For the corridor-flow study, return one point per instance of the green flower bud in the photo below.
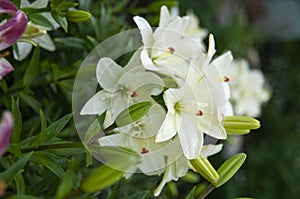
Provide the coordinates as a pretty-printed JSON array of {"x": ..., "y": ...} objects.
[
  {"x": 229, "y": 168},
  {"x": 133, "y": 113},
  {"x": 77, "y": 15},
  {"x": 119, "y": 160},
  {"x": 205, "y": 169},
  {"x": 32, "y": 31},
  {"x": 238, "y": 125}
]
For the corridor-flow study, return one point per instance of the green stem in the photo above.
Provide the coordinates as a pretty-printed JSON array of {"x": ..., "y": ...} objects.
[
  {"x": 53, "y": 146},
  {"x": 105, "y": 131},
  {"x": 37, "y": 85},
  {"x": 206, "y": 191}
]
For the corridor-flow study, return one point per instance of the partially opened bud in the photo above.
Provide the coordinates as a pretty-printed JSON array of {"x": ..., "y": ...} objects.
[
  {"x": 205, "y": 169},
  {"x": 77, "y": 15},
  {"x": 133, "y": 113},
  {"x": 240, "y": 124}
]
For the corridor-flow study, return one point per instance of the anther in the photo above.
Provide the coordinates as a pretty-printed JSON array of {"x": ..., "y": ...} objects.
[
  {"x": 199, "y": 113},
  {"x": 134, "y": 94},
  {"x": 144, "y": 150}
]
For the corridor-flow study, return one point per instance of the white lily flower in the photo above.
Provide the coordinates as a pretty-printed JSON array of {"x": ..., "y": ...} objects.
[
  {"x": 169, "y": 48},
  {"x": 248, "y": 92},
  {"x": 122, "y": 87}
]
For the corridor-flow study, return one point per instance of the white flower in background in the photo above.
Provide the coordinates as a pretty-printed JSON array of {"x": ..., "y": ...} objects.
[
  {"x": 169, "y": 49},
  {"x": 247, "y": 89},
  {"x": 23, "y": 48},
  {"x": 122, "y": 87}
]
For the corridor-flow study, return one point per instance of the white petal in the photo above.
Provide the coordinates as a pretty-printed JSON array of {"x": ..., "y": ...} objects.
[
  {"x": 167, "y": 129},
  {"x": 108, "y": 73},
  {"x": 96, "y": 105},
  {"x": 146, "y": 31},
  {"x": 209, "y": 150},
  {"x": 147, "y": 61},
  {"x": 191, "y": 139},
  {"x": 23, "y": 50},
  {"x": 165, "y": 17},
  {"x": 112, "y": 140},
  {"x": 45, "y": 42},
  {"x": 152, "y": 164},
  {"x": 223, "y": 63}
]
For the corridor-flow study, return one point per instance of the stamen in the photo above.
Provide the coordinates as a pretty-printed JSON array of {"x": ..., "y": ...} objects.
[
  {"x": 144, "y": 150},
  {"x": 226, "y": 79},
  {"x": 171, "y": 50},
  {"x": 134, "y": 94},
  {"x": 199, "y": 113}
]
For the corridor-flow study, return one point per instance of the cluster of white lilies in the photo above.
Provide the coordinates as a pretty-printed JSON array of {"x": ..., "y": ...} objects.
[{"x": 188, "y": 92}]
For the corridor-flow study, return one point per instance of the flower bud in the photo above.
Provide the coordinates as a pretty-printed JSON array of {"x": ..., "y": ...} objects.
[
  {"x": 205, "y": 169},
  {"x": 118, "y": 162},
  {"x": 238, "y": 125},
  {"x": 77, "y": 15},
  {"x": 133, "y": 113},
  {"x": 229, "y": 168}
]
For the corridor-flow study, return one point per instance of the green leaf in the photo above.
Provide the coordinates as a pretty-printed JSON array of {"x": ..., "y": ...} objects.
[
  {"x": 41, "y": 20},
  {"x": 62, "y": 6},
  {"x": 67, "y": 183},
  {"x": 191, "y": 194},
  {"x": 51, "y": 165},
  {"x": 229, "y": 168},
  {"x": 31, "y": 102},
  {"x": 17, "y": 121},
  {"x": 22, "y": 197},
  {"x": 20, "y": 184},
  {"x": 62, "y": 21},
  {"x": 72, "y": 42},
  {"x": 43, "y": 122},
  {"x": 33, "y": 67},
  {"x": 8, "y": 175},
  {"x": 56, "y": 127}
]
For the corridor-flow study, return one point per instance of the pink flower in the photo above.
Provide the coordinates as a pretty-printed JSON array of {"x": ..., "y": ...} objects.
[
  {"x": 10, "y": 32},
  {"x": 6, "y": 127}
]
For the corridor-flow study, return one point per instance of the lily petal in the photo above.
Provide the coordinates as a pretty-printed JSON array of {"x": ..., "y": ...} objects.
[
  {"x": 96, "y": 105},
  {"x": 12, "y": 30},
  {"x": 5, "y": 67},
  {"x": 167, "y": 129},
  {"x": 146, "y": 31},
  {"x": 6, "y": 127},
  {"x": 190, "y": 137},
  {"x": 165, "y": 17},
  {"x": 210, "y": 149},
  {"x": 108, "y": 73}
]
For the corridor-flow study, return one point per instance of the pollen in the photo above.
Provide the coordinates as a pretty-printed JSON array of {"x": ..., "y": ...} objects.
[
  {"x": 134, "y": 94},
  {"x": 171, "y": 50},
  {"x": 144, "y": 150},
  {"x": 199, "y": 113},
  {"x": 226, "y": 79}
]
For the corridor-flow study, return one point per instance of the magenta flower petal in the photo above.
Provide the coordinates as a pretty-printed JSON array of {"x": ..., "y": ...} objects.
[
  {"x": 7, "y": 6},
  {"x": 6, "y": 127},
  {"x": 5, "y": 67},
  {"x": 13, "y": 29}
]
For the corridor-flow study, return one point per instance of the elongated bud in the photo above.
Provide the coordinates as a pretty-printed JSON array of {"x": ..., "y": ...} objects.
[
  {"x": 205, "y": 169},
  {"x": 133, "y": 113},
  {"x": 115, "y": 167},
  {"x": 238, "y": 125},
  {"x": 229, "y": 168},
  {"x": 77, "y": 15},
  {"x": 32, "y": 31}
]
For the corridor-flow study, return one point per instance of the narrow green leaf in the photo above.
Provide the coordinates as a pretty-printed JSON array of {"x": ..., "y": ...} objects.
[
  {"x": 67, "y": 183},
  {"x": 57, "y": 126},
  {"x": 62, "y": 21},
  {"x": 17, "y": 121},
  {"x": 20, "y": 184},
  {"x": 51, "y": 165},
  {"x": 22, "y": 197},
  {"x": 62, "y": 6},
  {"x": 229, "y": 168},
  {"x": 8, "y": 175},
  {"x": 41, "y": 20},
  {"x": 43, "y": 122},
  {"x": 191, "y": 194},
  {"x": 33, "y": 67}
]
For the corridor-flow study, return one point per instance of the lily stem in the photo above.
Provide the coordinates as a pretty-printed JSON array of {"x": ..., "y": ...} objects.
[
  {"x": 53, "y": 146},
  {"x": 206, "y": 191}
]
